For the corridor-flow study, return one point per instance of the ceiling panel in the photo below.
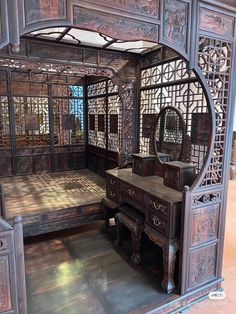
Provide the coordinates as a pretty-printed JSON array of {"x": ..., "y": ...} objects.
[{"x": 94, "y": 39}]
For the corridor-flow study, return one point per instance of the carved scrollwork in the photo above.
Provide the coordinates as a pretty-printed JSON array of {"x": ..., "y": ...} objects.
[
  {"x": 147, "y": 7},
  {"x": 205, "y": 224},
  {"x": 128, "y": 119},
  {"x": 51, "y": 67},
  {"x": 215, "y": 22},
  {"x": 176, "y": 22},
  {"x": 206, "y": 198},
  {"x": 203, "y": 264},
  {"x": 114, "y": 26},
  {"x": 215, "y": 61}
]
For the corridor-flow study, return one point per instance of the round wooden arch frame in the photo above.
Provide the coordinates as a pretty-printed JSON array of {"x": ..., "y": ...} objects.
[{"x": 198, "y": 31}]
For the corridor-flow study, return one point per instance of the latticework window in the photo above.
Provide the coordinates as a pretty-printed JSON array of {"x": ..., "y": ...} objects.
[
  {"x": 104, "y": 116},
  {"x": 171, "y": 84}
]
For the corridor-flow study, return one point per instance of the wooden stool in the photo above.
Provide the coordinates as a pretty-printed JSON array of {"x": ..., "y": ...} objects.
[
  {"x": 134, "y": 221},
  {"x": 109, "y": 210}
]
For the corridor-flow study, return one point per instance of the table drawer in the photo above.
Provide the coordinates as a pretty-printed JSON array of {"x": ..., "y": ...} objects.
[
  {"x": 113, "y": 194},
  {"x": 133, "y": 196},
  {"x": 157, "y": 222},
  {"x": 112, "y": 182},
  {"x": 159, "y": 207}
]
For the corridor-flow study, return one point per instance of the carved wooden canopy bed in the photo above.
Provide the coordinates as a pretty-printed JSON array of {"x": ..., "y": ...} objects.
[{"x": 65, "y": 106}]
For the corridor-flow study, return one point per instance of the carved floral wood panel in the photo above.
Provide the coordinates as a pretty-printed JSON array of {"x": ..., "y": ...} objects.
[
  {"x": 141, "y": 7},
  {"x": 113, "y": 25},
  {"x": 205, "y": 224},
  {"x": 217, "y": 23},
  {"x": 41, "y": 10},
  {"x": 175, "y": 28},
  {"x": 5, "y": 297},
  {"x": 203, "y": 264},
  {"x": 128, "y": 118}
]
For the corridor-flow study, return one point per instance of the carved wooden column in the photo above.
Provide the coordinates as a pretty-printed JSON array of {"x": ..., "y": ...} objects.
[{"x": 128, "y": 94}]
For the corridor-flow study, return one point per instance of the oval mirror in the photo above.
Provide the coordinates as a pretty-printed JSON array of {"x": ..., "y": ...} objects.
[{"x": 169, "y": 135}]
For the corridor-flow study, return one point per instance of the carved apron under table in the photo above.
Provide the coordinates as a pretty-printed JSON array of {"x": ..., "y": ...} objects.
[{"x": 161, "y": 206}]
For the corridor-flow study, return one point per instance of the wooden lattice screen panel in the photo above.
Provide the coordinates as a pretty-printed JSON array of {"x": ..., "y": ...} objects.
[
  {"x": 104, "y": 108},
  {"x": 215, "y": 63},
  {"x": 171, "y": 84},
  {"x": 41, "y": 122}
]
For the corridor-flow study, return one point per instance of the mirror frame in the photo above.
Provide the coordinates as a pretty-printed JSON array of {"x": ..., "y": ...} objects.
[{"x": 181, "y": 155}]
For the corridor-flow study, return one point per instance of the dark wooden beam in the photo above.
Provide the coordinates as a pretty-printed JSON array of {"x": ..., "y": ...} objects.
[{"x": 66, "y": 31}]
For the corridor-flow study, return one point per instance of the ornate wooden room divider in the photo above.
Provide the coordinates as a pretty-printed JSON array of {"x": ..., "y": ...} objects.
[
  {"x": 42, "y": 123},
  {"x": 203, "y": 32}
]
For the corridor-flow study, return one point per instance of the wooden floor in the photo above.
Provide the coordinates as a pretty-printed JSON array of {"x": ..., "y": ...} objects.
[
  {"x": 47, "y": 192},
  {"x": 83, "y": 274}
]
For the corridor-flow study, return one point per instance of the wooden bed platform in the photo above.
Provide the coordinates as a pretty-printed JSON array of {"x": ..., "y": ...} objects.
[{"x": 54, "y": 201}]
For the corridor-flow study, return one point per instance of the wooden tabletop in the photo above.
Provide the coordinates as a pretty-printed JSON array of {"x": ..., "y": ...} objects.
[{"x": 150, "y": 184}]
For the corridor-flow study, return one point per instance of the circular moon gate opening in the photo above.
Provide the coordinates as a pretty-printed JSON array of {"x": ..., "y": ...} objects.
[{"x": 209, "y": 45}]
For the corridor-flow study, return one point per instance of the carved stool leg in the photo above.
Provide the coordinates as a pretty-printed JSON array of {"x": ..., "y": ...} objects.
[
  {"x": 169, "y": 255},
  {"x": 136, "y": 243}
]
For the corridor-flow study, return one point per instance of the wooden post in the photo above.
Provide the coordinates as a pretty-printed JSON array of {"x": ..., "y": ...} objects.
[{"x": 20, "y": 265}]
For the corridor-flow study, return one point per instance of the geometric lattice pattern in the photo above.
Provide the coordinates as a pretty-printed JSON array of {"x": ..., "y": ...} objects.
[
  {"x": 97, "y": 89},
  {"x": 165, "y": 85},
  {"x": 69, "y": 116},
  {"x": 163, "y": 73},
  {"x": 114, "y": 131},
  {"x": 41, "y": 122},
  {"x": 104, "y": 116},
  {"x": 31, "y": 116},
  {"x": 5, "y": 139},
  {"x": 215, "y": 63},
  {"x": 31, "y": 121},
  {"x": 97, "y": 107}
]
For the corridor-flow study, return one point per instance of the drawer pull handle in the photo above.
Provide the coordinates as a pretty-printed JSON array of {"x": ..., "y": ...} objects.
[
  {"x": 131, "y": 192},
  {"x": 112, "y": 194},
  {"x": 156, "y": 221},
  {"x": 112, "y": 182},
  {"x": 155, "y": 206}
]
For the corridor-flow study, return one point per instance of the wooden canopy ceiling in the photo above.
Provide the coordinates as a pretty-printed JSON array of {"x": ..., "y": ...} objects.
[{"x": 79, "y": 37}]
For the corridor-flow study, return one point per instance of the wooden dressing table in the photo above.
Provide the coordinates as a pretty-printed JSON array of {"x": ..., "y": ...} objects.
[{"x": 161, "y": 206}]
